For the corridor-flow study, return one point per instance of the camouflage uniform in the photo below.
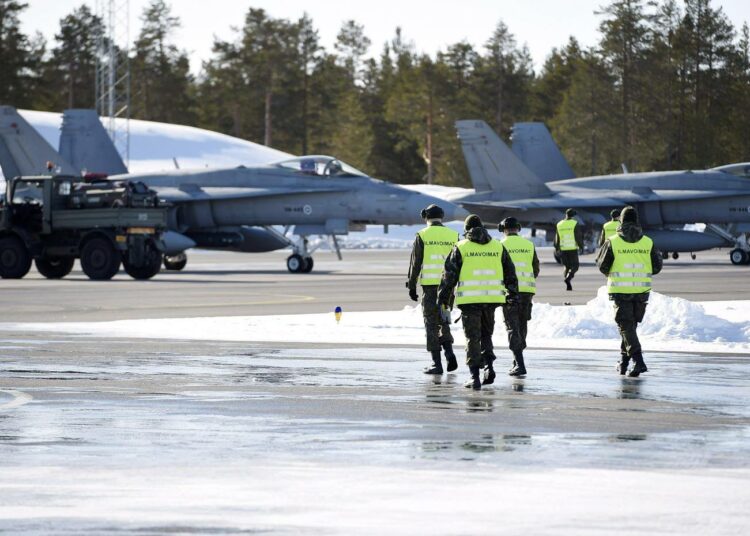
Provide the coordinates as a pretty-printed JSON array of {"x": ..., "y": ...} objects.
[
  {"x": 437, "y": 332},
  {"x": 516, "y": 317},
  {"x": 629, "y": 308},
  {"x": 478, "y": 318},
  {"x": 570, "y": 258}
]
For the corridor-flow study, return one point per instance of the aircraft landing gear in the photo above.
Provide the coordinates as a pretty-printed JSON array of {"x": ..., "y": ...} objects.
[
  {"x": 675, "y": 255},
  {"x": 297, "y": 264},
  {"x": 739, "y": 256}
]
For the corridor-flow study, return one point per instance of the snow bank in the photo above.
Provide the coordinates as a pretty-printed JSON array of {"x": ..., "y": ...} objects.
[
  {"x": 670, "y": 324},
  {"x": 667, "y": 318}
]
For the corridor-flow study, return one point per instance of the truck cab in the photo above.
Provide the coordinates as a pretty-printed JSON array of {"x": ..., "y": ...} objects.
[{"x": 54, "y": 220}]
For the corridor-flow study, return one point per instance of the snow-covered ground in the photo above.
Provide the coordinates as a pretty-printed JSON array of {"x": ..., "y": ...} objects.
[{"x": 671, "y": 324}]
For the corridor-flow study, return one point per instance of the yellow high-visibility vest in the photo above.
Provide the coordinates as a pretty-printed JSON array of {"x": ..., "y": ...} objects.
[
  {"x": 566, "y": 231},
  {"x": 631, "y": 271},
  {"x": 438, "y": 242},
  {"x": 521, "y": 252},
  {"x": 610, "y": 229},
  {"x": 481, "y": 277}
]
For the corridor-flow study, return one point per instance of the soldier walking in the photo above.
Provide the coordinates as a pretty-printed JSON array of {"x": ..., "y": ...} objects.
[
  {"x": 568, "y": 241},
  {"x": 483, "y": 271},
  {"x": 431, "y": 246},
  {"x": 629, "y": 259},
  {"x": 523, "y": 254},
  {"x": 609, "y": 229}
]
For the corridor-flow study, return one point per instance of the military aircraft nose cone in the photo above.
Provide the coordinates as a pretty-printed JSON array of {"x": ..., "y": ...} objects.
[{"x": 417, "y": 202}]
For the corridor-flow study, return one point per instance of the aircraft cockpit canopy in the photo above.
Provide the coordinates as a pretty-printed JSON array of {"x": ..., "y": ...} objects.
[
  {"x": 321, "y": 166},
  {"x": 738, "y": 170}
]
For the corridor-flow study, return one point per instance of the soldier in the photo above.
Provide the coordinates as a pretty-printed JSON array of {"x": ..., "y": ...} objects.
[
  {"x": 486, "y": 278},
  {"x": 628, "y": 259},
  {"x": 609, "y": 229},
  {"x": 431, "y": 246},
  {"x": 523, "y": 254},
  {"x": 568, "y": 241}
]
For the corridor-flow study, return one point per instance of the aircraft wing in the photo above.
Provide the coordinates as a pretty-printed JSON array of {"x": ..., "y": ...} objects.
[
  {"x": 187, "y": 193},
  {"x": 600, "y": 198}
]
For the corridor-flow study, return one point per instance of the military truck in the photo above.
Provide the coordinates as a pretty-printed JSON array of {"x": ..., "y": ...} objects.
[{"x": 54, "y": 220}]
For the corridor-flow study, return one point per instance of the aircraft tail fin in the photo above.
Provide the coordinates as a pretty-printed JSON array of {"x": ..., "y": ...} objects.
[
  {"x": 85, "y": 143},
  {"x": 534, "y": 145},
  {"x": 493, "y": 166},
  {"x": 23, "y": 151}
]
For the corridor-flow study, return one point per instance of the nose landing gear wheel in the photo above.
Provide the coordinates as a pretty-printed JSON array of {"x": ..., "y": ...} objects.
[
  {"x": 308, "y": 265},
  {"x": 739, "y": 256},
  {"x": 295, "y": 263}
]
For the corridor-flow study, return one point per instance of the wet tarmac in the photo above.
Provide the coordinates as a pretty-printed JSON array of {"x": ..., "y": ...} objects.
[{"x": 152, "y": 437}]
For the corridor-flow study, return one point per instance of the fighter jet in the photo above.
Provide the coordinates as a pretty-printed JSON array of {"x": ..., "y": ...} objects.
[
  {"x": 228, "y": 208},
  {"x": 534, "y": 183}
]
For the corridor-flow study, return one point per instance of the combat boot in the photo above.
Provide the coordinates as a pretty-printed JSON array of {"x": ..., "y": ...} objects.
[
  {"x": 437, "y": 366},
  {"x": 489, "y": 374},
  {"x": 519, "y": 369},
  {"x": 639, "y": 367},
  {"x": 622, "y": 365},
  {"x": 450, "y": 357},
  {"x": 475, "y": 382}
]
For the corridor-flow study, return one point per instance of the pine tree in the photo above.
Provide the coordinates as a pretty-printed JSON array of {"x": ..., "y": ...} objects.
[
  {"x": 20, "y": 58},
  {"x": 623, "y": 43},
  {"x": 587, "y": 122},
  {"x": 70, "y": 73},
  {"x": 554, "y": 80},
  {"x": 161, "y": 73}
]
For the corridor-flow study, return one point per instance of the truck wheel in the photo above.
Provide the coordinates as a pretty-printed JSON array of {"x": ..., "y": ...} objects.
[
  {"x": 54, "y": 268},
  {"x": 149, "y": 269},
  {"x": 15, "y": 260},
  {"x": 176, "y": 262},
  {"x": 99, "y": 259}
]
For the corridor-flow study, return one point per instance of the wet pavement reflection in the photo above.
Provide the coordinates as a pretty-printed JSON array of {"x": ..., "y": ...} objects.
[{"x": 110, "y": 402}]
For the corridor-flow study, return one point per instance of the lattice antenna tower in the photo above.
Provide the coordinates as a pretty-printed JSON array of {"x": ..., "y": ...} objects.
[{"x": 113, "y": 72}]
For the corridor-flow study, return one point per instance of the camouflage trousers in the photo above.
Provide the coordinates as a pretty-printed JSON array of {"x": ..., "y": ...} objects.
[
  {"x": 516, "y": 319},
  {"x": 436, "y": 331},
  {"x": 570, "y": 263},
  {"x": 479, "y": 323},
  {"x": 629, "y": 312}
]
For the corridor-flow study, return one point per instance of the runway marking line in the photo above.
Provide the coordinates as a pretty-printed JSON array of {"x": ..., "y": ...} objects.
[{"x": 19, "y": 399}]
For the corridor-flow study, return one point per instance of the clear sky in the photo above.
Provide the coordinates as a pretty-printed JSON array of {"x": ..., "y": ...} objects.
[{"x": 430, "y": 24}]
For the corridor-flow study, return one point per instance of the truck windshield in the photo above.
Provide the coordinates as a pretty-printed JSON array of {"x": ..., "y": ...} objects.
[{"x": 27, "y": 193}]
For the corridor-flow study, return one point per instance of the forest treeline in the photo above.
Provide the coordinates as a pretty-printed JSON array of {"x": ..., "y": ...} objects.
[{"x": 666, "y": 87}]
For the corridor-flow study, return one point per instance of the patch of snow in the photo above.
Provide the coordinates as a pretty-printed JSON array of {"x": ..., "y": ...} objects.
[
  {"x": 347, "y": 498},
  {"x": 670, "y": 324}
]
